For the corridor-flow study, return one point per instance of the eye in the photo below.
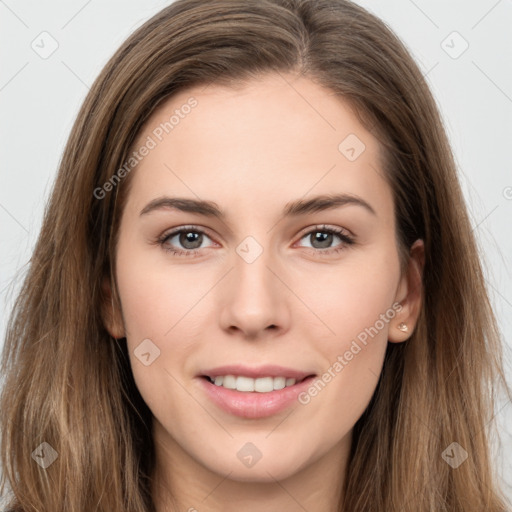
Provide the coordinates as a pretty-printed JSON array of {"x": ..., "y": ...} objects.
[
  {"x": 321, "y": 238},
  {"x": 190, "y": 238}
]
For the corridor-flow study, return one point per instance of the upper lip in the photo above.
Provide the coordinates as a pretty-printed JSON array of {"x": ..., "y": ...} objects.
[{"x": 267, "y": 370}]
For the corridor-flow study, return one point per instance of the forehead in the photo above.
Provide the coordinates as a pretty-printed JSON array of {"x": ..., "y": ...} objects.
[{"x": 268, "y": 138}]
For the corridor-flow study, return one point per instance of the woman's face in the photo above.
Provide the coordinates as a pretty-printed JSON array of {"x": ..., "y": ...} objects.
[{"x": 291, "y": 271}]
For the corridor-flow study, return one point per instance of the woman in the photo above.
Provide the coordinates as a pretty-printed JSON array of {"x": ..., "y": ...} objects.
[{"x": 176, "y": 347}]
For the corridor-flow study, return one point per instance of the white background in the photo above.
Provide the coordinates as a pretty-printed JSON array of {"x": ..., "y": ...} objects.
[{"x": 39, "y": 100}]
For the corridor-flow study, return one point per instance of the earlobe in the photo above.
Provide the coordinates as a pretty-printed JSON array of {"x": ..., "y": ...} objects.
[
  {"x": 403, "y": 327},
  {"x": 409, "y": 295},
  {"x": 112, "y": 319}
]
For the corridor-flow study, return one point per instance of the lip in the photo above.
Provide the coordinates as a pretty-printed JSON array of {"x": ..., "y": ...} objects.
[{"x": 254, "y": 405}]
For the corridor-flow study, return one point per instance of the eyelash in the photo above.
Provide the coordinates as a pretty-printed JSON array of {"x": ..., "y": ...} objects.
[{"x": 346, "y": 239}]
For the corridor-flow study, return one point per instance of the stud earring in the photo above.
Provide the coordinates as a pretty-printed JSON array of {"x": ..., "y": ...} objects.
[{"x": 403, "y": 327}]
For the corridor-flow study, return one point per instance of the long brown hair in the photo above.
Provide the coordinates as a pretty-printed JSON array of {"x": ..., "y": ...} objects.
[{"x": 68, "y": 384}]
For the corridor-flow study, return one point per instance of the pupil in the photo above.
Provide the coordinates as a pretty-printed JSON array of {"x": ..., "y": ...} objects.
[
  {"x": 323, "y": 238},
  {"x": 189, "y": 238}
]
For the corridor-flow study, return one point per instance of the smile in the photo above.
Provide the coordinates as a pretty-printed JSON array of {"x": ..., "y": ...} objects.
[
  {"x": 249, "y": 384},
  {"x": 255, "y": 397}
]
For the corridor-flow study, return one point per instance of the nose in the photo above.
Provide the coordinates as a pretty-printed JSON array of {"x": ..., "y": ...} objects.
[{"x": 254, "y": 299}]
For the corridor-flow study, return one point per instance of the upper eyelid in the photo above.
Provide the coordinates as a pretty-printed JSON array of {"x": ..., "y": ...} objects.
[
  {"x": 326, "y": 227},
  {"x": 176, "y": 231}
]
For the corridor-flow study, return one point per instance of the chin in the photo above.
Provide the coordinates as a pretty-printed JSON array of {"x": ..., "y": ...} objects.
[{"x": 274, "y": 464}]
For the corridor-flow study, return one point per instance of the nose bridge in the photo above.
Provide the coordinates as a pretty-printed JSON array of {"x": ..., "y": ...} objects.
[
  {"x": 254, "y": 283},
  {"x": 254, "y": 297}
]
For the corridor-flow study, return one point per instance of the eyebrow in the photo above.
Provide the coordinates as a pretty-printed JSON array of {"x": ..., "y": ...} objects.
[{"x": 291, "y": 209}]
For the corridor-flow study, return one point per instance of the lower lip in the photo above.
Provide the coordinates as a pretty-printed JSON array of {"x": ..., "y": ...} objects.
[{"x": 253, "y": 404}]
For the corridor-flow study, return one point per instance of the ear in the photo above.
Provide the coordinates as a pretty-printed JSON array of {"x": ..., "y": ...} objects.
[
  {"x": 111, "y": 315},
  {"x": 408, "y": 295}
]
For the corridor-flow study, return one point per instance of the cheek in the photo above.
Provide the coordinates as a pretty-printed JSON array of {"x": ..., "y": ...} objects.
[
  {"x": 155, "y": 299},
  {"x": 157, "y": 305},
  {"x": 348, "y": 298},
  {"x": 355, "y": 304}
]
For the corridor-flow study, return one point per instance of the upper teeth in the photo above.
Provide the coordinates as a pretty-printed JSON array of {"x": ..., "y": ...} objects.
[{"x": 261, "y": 384}]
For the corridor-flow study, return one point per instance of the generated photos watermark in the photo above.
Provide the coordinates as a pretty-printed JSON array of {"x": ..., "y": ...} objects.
[
  {"x": 151, "y": 142},
  {"x": 343, "y": 360}
]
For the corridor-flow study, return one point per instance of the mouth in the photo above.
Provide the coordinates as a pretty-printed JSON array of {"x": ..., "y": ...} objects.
[{"x": 254, "y": 393}]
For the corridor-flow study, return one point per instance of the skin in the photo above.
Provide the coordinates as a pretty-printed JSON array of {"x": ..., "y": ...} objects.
[{"x": 252, "y": 149}]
